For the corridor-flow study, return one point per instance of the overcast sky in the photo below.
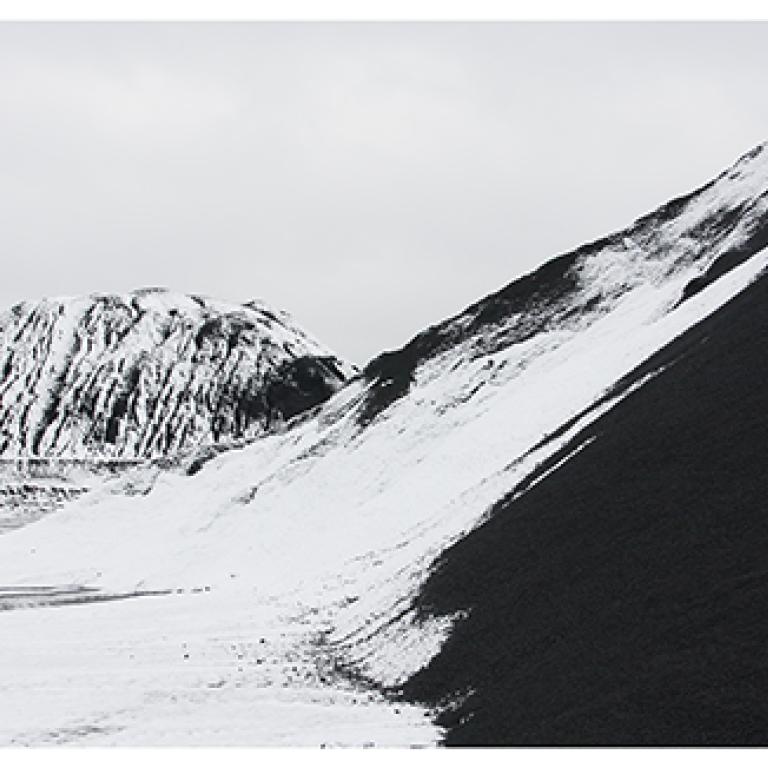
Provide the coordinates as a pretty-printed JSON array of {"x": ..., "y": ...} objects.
[{"x": 372, "y": 179}]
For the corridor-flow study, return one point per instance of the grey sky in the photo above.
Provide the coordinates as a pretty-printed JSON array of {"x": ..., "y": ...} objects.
[{"x": 370, "y": 178}]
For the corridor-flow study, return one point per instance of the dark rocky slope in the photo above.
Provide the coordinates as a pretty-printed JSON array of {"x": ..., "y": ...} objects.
[{"x": 622, "y": 598}]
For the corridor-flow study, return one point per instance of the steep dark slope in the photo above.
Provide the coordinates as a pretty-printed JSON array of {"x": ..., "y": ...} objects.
[{"x": 623, "y": 598}]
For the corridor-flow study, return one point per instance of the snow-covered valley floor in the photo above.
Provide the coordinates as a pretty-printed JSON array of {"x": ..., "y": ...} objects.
[{"x": 189, "y": 669}]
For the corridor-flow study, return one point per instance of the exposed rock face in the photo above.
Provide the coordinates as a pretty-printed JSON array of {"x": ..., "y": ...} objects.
[{"x": 151, "y": 373}]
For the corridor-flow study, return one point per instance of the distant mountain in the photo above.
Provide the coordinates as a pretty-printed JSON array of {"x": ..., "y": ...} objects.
[
  {"x": 151, "y": 373},
  {"x": 542, "y": 512}
]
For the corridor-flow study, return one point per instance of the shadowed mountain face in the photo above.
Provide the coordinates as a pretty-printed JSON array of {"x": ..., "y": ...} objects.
[
  {"x": 150, "y": 374},
  {"x": 621, "y": 597}
]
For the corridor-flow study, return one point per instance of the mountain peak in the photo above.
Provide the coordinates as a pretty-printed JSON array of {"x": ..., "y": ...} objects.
[{"x": 151, "y": 372}]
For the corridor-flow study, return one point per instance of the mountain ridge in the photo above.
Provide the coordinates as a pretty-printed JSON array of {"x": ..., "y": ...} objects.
[{"x": 728, "y": 220}]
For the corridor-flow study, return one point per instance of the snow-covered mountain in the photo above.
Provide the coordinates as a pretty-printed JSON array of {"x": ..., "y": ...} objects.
[
  {"x": 273, "y": 596},
  {"x": 151, "y": 373}
]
